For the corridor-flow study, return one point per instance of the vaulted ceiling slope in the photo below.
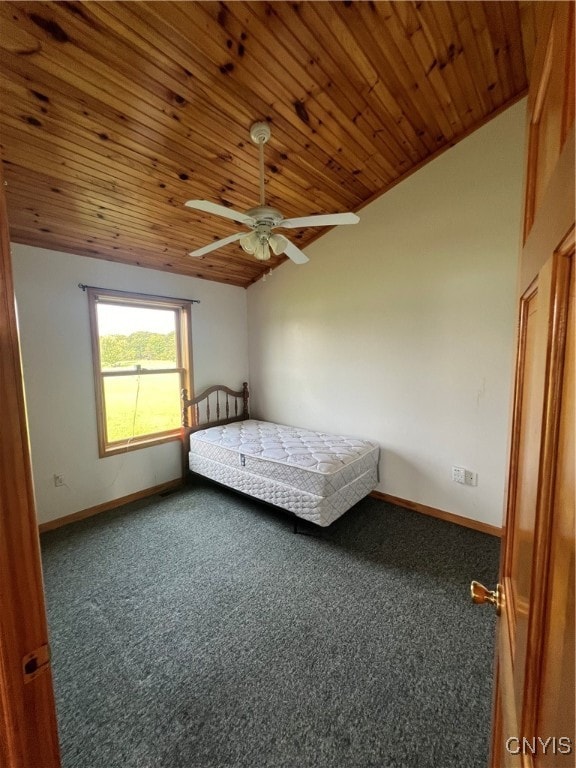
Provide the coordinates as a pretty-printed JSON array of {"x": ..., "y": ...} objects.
[{"x": 113, "y": 114}]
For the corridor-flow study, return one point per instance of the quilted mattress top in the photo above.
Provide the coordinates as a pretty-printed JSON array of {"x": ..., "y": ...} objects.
[{"x": 313, "y": 451}]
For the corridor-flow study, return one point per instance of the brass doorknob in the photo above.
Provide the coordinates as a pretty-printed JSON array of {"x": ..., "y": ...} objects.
[{"x": 480, "y": 595}]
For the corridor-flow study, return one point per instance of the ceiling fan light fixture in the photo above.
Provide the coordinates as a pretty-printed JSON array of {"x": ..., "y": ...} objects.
[
  {"x": 249, "y": 243},
  {"x": 278, "y": 244},
  {"x": 262, "y": 252}
]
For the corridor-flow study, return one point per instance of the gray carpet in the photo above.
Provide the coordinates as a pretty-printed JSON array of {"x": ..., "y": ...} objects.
[{"x": 197, "y": 631}]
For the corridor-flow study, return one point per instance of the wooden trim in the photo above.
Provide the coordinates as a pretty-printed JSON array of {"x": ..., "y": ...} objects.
[
  {"x": 145, "y": 441},
  {"x": 515, "y": 427},
  {"x": 568, "y": 110},
  {"x": 556, "y": 215},
  {"x": 98, "y": 393},
  {"x": 142, "y": 300},
  {"x": 440, "y": 514},
  {"x": 505, "y": 715},
  {"x": 536, "y": 103},
  {"x": 107, "y": 505},
  {"x": 142, "y": 372},
  {"x": 28, "y": 730},
  {"x": 559, "y": 302},
  {"x": 182, "y": 309}
]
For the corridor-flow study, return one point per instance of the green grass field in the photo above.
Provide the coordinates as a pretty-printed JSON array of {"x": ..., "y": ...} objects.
[{"x": 132, "y": 410}]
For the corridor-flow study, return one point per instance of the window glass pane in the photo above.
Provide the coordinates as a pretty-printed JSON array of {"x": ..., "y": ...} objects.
[
  {"x": 136, "y": 336},
  {"x": 141, "y": 405}
]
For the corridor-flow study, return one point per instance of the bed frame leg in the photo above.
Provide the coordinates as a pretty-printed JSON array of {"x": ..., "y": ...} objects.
[{"x": 300, "y": 532}]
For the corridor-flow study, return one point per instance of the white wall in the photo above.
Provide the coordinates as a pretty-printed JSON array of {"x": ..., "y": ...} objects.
[
  {"x": 59, "y": 382},
  {"x": 401, "y": 328}
]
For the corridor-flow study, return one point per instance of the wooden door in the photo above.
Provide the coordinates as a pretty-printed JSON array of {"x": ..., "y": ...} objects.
[
  {"x": 533, "y": 725},
  {"x": 28, "y": 736}
]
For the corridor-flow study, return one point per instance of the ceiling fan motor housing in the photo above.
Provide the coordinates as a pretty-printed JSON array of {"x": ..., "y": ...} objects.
[{"x": 265, "y": 215}]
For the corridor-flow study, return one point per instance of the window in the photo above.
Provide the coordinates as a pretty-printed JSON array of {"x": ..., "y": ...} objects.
[{"x": 142, "y": 361}]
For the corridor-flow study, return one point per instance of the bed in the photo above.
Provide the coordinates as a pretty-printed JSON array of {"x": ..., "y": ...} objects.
[{"x": 316, "y": 476}]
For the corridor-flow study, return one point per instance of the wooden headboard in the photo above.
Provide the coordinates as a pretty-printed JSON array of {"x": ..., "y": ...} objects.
[{"x": 216, "y": 405}]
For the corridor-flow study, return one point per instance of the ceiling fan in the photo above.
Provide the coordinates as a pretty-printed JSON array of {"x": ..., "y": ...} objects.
[{"x": 263, "y": 219}]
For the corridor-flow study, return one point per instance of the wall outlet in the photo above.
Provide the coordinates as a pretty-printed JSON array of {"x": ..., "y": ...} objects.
[
  {"x": 58, "y": 480},
  {"x": 464, "y": 476},
  {"x": 458, "y": 475}
]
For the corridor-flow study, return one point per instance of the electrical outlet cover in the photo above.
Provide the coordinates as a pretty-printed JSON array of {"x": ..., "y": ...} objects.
[{"x": 459, "y": 475}]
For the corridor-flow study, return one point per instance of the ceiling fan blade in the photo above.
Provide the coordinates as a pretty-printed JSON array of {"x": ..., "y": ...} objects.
[
  {"x": 295, "y": 254},
  {"x": 218, "y": 244},
  {"x": 320, "y": 220},
  {"x": 219, "y": 210}
]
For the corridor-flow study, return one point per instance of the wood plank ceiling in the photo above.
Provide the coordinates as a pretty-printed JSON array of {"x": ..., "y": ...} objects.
[{"x": 113, "y": 114}]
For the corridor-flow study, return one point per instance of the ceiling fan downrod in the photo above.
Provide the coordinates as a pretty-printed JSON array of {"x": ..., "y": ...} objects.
[{"x": 260, "y": 134}]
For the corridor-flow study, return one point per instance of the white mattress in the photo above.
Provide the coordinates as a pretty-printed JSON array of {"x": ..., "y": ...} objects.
[{"x": 315, "y": 475}]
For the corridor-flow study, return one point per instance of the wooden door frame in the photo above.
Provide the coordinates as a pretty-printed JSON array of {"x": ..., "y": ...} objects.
[
  {"x": 545, "y": 260},
  {"x": 556, "y": 221},
  {"x": 28, "y": 729}
]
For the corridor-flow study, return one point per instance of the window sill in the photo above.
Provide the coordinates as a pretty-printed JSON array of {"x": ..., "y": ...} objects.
[{"x": 113, "y": 449}]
